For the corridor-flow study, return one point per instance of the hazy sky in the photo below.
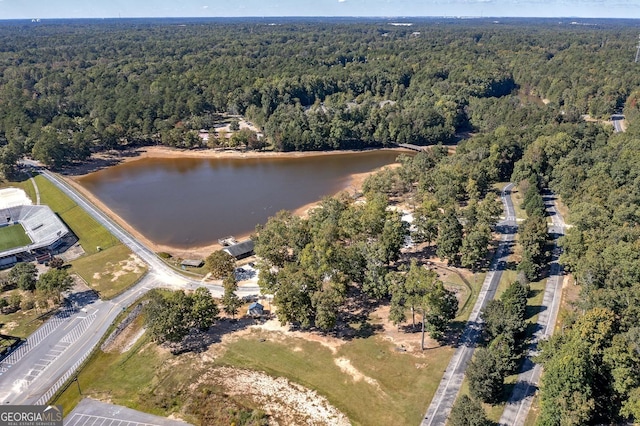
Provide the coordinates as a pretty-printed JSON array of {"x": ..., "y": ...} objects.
[{"x": 12, "y": 9}]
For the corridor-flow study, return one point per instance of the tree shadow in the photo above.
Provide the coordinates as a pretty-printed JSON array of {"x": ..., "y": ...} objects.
[
  {"x": 20, "y": 175},
  {"x": 516, "y": 392},
  {"x": 533, "y": 310},
  {"x": 198, "y": 341},
  {"x": 78, "y": 300},
  {"x": 531, "y": 329},
  {"x": 367, "y": 330}
]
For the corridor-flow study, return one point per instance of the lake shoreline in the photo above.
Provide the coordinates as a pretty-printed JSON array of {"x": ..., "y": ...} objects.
[{"x": 103, "y": 160}]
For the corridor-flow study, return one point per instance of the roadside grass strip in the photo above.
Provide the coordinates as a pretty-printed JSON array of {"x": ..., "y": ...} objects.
[{"x": 93, "y": 236}]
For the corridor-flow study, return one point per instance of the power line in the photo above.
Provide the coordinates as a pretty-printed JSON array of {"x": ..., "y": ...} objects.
[{"x": 638, "y": 51}]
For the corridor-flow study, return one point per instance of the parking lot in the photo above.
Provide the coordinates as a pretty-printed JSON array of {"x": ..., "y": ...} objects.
[{"x": 95, "y": 413}]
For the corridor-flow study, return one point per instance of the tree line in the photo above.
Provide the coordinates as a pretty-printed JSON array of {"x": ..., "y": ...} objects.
[{"x": 75, "y": 88}]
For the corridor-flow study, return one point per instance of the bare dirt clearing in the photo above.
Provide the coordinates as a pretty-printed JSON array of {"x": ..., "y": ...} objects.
[
  {"x": 133, "y": 264},
  {"x": 287, "y": 403}
]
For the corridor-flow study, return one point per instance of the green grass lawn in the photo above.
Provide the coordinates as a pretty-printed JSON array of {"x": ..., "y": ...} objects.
[
  {"x": 110, "y": 271},
  {"x": 13, "y": 236},
  {"x": 91, "y": 234},
  {"x": 20, "y": 323},
  {"x": 107, "y": 265},
  {"x": 124, "y": 378}
]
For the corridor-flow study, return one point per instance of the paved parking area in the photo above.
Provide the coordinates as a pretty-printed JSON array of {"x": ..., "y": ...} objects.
[{"x": 95, "y": 413}]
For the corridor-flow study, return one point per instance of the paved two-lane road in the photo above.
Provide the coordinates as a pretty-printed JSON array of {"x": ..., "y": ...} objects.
[
  {"x": 447, "y": 391},
  {"x": 519, "y": 403}
]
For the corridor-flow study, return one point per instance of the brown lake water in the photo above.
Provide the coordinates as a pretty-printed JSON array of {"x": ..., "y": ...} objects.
[{"x": 191, "y": 202}]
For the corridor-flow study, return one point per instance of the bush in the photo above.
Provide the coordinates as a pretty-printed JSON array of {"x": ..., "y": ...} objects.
[
  {"x": 14, "y": 301},
  {"x": 28, "y": 304}
]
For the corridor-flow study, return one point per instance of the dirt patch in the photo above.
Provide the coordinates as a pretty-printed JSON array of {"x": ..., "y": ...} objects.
[
  {"x": 287, "y": 403},
  {"x": 346, "y": 367},
  {"x": 403, "y": 338},
  {"x": 570, "y": 295},
  {"x": 9, "y": 326},
  {"x": 329, "y": 342},
  {"x": 133, "y": 264}
]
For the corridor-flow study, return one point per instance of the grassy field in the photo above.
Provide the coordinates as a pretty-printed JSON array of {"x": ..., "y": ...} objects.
[
  {"x": 106, "y": 265},
  {"x": 406, "y": 383},
  {"x": 123, "y": 378},
  {"x": 13, "y": 236},
  {"x": 91, "y": 234},
  {"x": 20, "y": 323},
  {"x": 110, "y": 271},
  {"x": 151, "y": 380}
]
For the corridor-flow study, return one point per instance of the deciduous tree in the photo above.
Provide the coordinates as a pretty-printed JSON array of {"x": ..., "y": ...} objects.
[
  {"x": 23, "y": 275},
  {"x": 230, "y": 300},
  {"x": 220, "y": 264},
  {"x": 449, "y": 238},
  {"x": 468, "y": 412}
]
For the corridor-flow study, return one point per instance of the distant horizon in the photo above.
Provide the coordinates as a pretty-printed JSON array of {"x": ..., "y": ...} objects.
[
  {"x": 311, "y": 17},
  {"x": 140, "y": 9}
]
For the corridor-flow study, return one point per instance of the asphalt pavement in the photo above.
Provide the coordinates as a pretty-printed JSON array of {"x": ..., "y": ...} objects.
[
  {"x": 449, "y": 387},
  {"x": 519, "y": 403},
  {"x": 95, "y": 413},
  {"x": 617, "y": 120}
]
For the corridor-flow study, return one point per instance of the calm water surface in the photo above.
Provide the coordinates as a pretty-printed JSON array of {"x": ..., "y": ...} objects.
[{"x": 187, "y": 202}]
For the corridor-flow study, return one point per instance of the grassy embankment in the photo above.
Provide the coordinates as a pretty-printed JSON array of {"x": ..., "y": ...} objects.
[
  {"x": 108, "y": 270},
  {"x": 105, "y": 266}
]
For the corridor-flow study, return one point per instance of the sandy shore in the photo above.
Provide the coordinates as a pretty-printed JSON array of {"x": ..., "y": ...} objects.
[{"x": 108, "y": 159}]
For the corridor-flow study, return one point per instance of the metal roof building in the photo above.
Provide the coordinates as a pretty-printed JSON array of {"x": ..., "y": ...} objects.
[{"x": 241, "y": 250}]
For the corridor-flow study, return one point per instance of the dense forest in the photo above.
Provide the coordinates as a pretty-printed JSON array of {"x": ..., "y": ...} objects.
[
  {"x": 520, "y": 88},
  {"x": 69, "y": 88}
]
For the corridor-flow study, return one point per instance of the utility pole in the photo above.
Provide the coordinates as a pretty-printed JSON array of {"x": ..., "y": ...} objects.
[
  {"x": 78, "y": 383},
  {"x": 638, "y": 51}
]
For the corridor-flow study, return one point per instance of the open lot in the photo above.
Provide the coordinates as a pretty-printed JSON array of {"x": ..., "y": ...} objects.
[{"x": 377, "y": 377}]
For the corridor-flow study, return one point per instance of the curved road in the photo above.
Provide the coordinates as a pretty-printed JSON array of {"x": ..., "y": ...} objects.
[
  {"x": 447, "y": 391},
  {"x": 41, "y": 365},
  {"x": 517, "y": 408}
]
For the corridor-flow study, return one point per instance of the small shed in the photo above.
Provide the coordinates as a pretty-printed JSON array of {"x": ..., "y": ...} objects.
[
  {"x": 192, "y": 263},
  {"x": 240, "y": 250},
  {"x": 255, "y": 309}
]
